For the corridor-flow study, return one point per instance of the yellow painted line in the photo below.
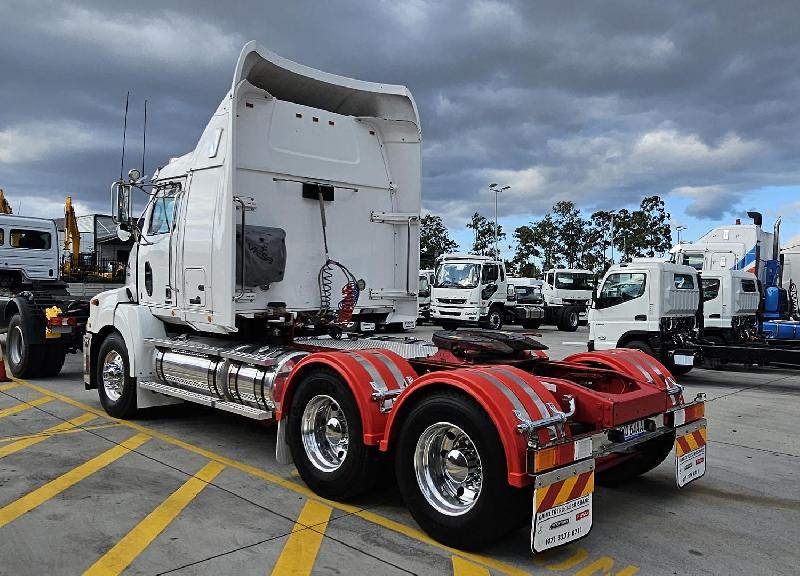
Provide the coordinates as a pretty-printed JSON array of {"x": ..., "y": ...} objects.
[
  {"x": 27, "y": 442},
  {"x": 120, "y": 556},
  {"x": 4, "y": 387},
  {"x": 301, "y": 489},
  {"x": 580, "y": 555},
  {"x": 300, "y": 552},
  {"x": 603, "y": 566},
  {"x": 25, "y": 406},
  {"x": 31, "y": 500},
  {"x": 463, "y": 567},
  {"x": 70, "y": 431}
]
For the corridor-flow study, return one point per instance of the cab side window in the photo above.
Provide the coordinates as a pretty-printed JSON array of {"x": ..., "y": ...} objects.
[
  {"x": 749, "y": 286},
  {"x": 162, "y": 215},
  {"x": 490, "y": 273},
  {"x": 684, "y": 281},
  {"x": 710, "y": 288},
  {"x": 621, "y": 287}
]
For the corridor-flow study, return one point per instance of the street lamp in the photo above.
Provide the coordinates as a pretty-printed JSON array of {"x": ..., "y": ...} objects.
[
  {"x": 494, "y": 187},
  {"x": 613, "y": 214},
  {"x": 678, "y": 229}
]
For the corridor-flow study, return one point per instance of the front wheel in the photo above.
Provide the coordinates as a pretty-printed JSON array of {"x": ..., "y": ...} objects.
[
  {"x": 451, "y": 471},
  {"x": 678, "y": 369},
  {"x": 531, "y": 324},
  {"x": 569, "y": 319},
  {"x": 326, "y": 438},
  {"x": 116, "y": 388},
  {"x": 494, "y": 321},
  {"x": 448, "y": 325}
]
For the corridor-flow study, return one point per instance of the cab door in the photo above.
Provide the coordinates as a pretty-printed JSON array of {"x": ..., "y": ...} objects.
[
  {"x": 156, "y": 252},
  {"x": 622, "y": 305}
]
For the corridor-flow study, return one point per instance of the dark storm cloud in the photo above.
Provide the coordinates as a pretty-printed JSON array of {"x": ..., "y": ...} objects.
[{"x": 596, "y": 102}]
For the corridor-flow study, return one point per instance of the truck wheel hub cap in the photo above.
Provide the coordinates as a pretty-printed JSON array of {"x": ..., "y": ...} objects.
[
  {"x": 113, "y": 375},
  {"x": 16, "y": 344},
  {"x": 448, "y": 469},
  {"x": 324, "y": 431}
]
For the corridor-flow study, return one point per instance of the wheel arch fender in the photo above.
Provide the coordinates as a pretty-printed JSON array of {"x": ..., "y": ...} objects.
[
  {"x": 365, "y": 372},
  {"x": 135, "y": 323},
  {"x": 634, "y": 363},
  {"x": 632, "y": 335},
  {"x": 486, "y": 387}
]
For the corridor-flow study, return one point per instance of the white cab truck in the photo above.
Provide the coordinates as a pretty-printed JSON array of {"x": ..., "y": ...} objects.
[
  {"x": 43, "y": 322},
  {"x": 424, "y": 295},
  {"x": 470, "y": 290},
  {"x": 234, "y": 255},
  {"x": 648, "y": 305},
  {"x": 730, "y": 305},
  {"x": 567, "y": 293}
]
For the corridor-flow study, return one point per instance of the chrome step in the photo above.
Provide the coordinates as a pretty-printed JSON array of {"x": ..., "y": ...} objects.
[{"x": 240, "y": 409}]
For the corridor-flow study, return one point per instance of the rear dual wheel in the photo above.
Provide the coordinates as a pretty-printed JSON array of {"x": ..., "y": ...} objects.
[
  {"x": 451, "y": 471},
  {"x": 568, "y": 319}
]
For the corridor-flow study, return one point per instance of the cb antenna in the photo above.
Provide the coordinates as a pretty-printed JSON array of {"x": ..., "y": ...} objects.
[
  {"x": 124, "y": 132},
  {"x": 144, "y": 137}
]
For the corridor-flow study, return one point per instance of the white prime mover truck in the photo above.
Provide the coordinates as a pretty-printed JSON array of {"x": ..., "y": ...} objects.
[{"x": 235, "y": 253}]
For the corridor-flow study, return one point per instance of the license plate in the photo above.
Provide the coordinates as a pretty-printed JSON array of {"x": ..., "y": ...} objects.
[
  {"x": 409, "y": 325},
  {"x": 690, "y": 457},
  {"x": 632, "y": 430},
  {"x": 562, "y": 512},
  {"x": 367, "y": 326},
  {"x": 683, "y": 360}
]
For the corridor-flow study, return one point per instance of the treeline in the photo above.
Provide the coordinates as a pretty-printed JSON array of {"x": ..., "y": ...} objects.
[{"x": 562, "y": 238}]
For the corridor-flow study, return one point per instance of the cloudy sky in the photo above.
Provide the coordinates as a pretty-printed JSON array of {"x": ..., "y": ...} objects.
[{"x": 597, "y": 102}]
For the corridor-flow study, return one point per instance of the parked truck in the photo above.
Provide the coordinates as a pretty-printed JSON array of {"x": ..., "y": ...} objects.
[
  {"x": 567, "y": 293},
  {"x": 485, "y": 431},
  {"x": 424, "y": 296},
  {"x": 43, "y": 322}
]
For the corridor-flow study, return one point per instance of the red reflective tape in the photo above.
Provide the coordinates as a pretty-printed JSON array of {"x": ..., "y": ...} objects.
[
  {"x": 550, "y": 497},
  {"x": 577, "y": 490},
  {"x": 684, "y": 445},
  {"x": 698, "y": 437}
]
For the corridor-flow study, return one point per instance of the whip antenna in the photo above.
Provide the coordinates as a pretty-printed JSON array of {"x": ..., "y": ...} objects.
[
  {"x": 124, "y": 132},
  {"x": 144, "y": 137}
]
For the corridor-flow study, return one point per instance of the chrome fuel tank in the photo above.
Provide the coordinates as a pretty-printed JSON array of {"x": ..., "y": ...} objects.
[
  {"x": 191, "y": 371},
  {"x": 253, "y": 374}
]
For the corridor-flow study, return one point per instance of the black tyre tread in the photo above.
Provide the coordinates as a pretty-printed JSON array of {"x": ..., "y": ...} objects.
[
  {"x": 642, "y": 346},
  {"x": 54, "y": 356},
  {"x": 499, "y": 310},
  {"x": 531, "y": 324},
  {"x": 32, "y": 361},
  {"x": 563, "y": 319},
  {"x": 501, "y": 508},
  {"x": 648, "y": 456},
  {"x": 361, "y": 466},
  {"x": 125, "y": 407}
]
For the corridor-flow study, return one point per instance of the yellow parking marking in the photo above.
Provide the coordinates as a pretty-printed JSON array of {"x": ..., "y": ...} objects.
[
  {"x": 31, "y": 500},
  {"x": 134, "y": 542},
  {"x": 603, "y": 566},
  {"x": 64, "y": 426},
  {"x": 580, "y": 555},
  {"x": 22, "y": 407},
  {"x": 4, "y": 387},
  {"x": 298, "y": 555},
  {"x": 370, "y": 517},
  {"x": 463, "y": 567},
  {"x": 69, "y": 431}
]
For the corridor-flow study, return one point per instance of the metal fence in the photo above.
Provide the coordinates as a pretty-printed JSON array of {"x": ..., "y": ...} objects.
[{"x": 90, "y": 268}]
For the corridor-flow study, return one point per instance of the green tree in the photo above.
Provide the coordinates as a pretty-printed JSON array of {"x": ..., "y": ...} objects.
[
  {"x": 483, "y": 230},
  {"x": 572, "y": 231},
  {"x": 434, "y": 240},
  {"x": 525, "y": 252}
]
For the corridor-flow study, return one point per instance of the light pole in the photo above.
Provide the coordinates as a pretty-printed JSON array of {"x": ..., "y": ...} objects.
[
  {"x": 678, "y": 229},
  {"x": 613, "y": 214},
  {"x": 494, "y": 187}
]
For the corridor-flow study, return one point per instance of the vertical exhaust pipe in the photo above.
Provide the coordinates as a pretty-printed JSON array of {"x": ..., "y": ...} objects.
[{"x": 757, "y": 220}]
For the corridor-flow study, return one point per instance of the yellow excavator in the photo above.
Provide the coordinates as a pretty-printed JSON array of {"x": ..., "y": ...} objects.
[
  {"x": 72, "y": 237},
  {"x": 5, "y": 207}
]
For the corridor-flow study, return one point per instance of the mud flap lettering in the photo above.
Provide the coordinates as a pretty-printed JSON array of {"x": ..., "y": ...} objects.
[
  {"x": 690, "y": 457},
  {"x": 562, "y": 511}
]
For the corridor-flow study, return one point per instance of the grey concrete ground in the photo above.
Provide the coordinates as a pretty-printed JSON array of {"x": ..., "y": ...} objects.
[{"x": 67, "y": 505}]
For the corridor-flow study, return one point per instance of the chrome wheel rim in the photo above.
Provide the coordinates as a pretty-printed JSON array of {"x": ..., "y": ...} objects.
[
  {"x": 16, "y": 344},
  {"x": 113, "y": 375},
  {"x": 573, "y": 319},
  {"x": 324, "y": 431},
  {"x": 494, "y": 320},
  {"x": 448, "y": 469}
]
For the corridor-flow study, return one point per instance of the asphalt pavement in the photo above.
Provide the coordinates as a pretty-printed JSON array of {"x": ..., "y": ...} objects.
[{"x": 187, "y": 490}]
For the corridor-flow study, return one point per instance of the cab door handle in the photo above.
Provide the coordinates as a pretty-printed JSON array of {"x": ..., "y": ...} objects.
[{"x": 640, "y": 317}]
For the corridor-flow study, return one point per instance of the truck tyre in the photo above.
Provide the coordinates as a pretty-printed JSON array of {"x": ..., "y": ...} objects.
[
  {"x": 640, "y": 345},
  {"x": 452, "y": 474},
  {"x": 494, "y": 320},
  {"x": 569, "y": 319},
  {"x": 25, "y": 344},
  {"x": 678, "y": 370},
  {"x": 54, "y": 355},
  {"x": 714, "y": 363},
  {"x": 531, "y": 324},
  {"x": 326, "y": 438},
  {"x": 117, "y": 390},
  {"x": 647, "y": 456},
  {"x": 448, "y": 325}
]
